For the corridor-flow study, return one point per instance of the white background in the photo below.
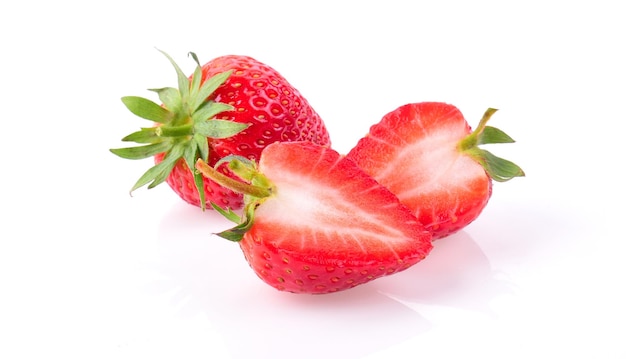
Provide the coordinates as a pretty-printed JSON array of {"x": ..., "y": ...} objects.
[{"x": 86, "y": 271}]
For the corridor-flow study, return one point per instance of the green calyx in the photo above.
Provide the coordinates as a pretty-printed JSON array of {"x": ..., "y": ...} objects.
[
  {"x": 499, "y": 169},
  {"x": 253, "y": 185},
  {"x": 184, "y": 122}
]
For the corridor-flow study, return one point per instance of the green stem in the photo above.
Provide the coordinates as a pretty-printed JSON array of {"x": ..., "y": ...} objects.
[
  {"x": 230, "y": 183},
  {"x": 174, "y": 131},
  {"x": 473, "y": 138}
]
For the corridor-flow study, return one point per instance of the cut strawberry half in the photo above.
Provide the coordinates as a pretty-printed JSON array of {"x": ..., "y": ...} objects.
[
  {"x": 316, "y": 223},
  {"x": 428, "y": 156}
]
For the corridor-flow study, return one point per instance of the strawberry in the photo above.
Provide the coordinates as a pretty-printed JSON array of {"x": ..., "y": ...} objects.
[
  {"x": 232, "y": 105},
  {"x": 316, "y": 223},
  {"x": 428, "y": 156}
]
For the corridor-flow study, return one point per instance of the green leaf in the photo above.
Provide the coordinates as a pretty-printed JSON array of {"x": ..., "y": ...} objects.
[
  {"x": 145, "y": 135},
  {"x": 494, "y": 135},
  {"x": 190, "y": 158},
  {"x": 219, "y": 128},
  {"x": 154, "y": 173},
  {"x": 162, "y": 175},
  {"x": 198, "y": 180},
  {"x": 140, "y": 152},
  {"x": 228, "y": 214},
  {"x": 170, "y": 97},
  {"x": 194, "y": 57},
  {"x": 499, "y": 169},
  {"x": 236, "y": 233},
  {"x": 196, "y": 79},
  {"x": 209, "y": 110},
  {"x": 208, "y": 87},
  {"x": 183, "y": 81},
  {"x": 147, "y": 109},
  {"x": 158, "y": 173},
  {"x": 203, "y": 146},
  {"x": 189, "y": 155}
]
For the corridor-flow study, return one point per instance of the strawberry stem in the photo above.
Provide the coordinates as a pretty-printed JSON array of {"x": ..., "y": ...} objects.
[
  {"x": 497, "y": 168},
  {"x": 256, "y": 189},
  {"x": 232, "y": 184},
  {"x": 174, "y": 131},
  {"x": 474, "y": 138}
]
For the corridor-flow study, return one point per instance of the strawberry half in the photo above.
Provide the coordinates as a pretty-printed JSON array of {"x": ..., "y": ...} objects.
[
  {"x": 232, "y": 105},
  {"x": 428, "y": 156},
  {"x": 316, "y": 223}
]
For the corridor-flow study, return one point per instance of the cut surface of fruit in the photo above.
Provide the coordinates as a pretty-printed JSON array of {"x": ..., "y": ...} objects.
[
  {"x": 326, "y": 225},
  {"x": 415, "y": 151}
]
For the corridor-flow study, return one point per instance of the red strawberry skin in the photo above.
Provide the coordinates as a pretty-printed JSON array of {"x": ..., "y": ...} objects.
[
  {"x": 263, "y": 98},
  {"x": 413, "y": 152},
  {"x": 329, "y": 226}
]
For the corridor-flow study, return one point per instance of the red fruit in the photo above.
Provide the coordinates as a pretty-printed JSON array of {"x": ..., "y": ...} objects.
[
  {"x": 316, "y": 223},
  {"x": 233, "y": 105},
  {"x": 427, "y": 155}
]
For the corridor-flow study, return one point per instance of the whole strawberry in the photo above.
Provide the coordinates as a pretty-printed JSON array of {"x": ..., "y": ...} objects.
[
  {"x": 315, "y": 223},
  {"x": 232, "y": 105},
  {"x": 429, "y": 157}
]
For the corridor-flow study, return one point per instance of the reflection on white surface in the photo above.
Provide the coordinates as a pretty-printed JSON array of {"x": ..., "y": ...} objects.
[
  {"x": 456, "y": 274},
  {"x": 208, "y": 275}
]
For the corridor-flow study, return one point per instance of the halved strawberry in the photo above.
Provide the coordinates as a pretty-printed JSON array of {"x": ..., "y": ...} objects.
[
  {"x": 232, "y": 105},
  {"x": 427, "y": 155},
  {"x": 316, "y": 223}
]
